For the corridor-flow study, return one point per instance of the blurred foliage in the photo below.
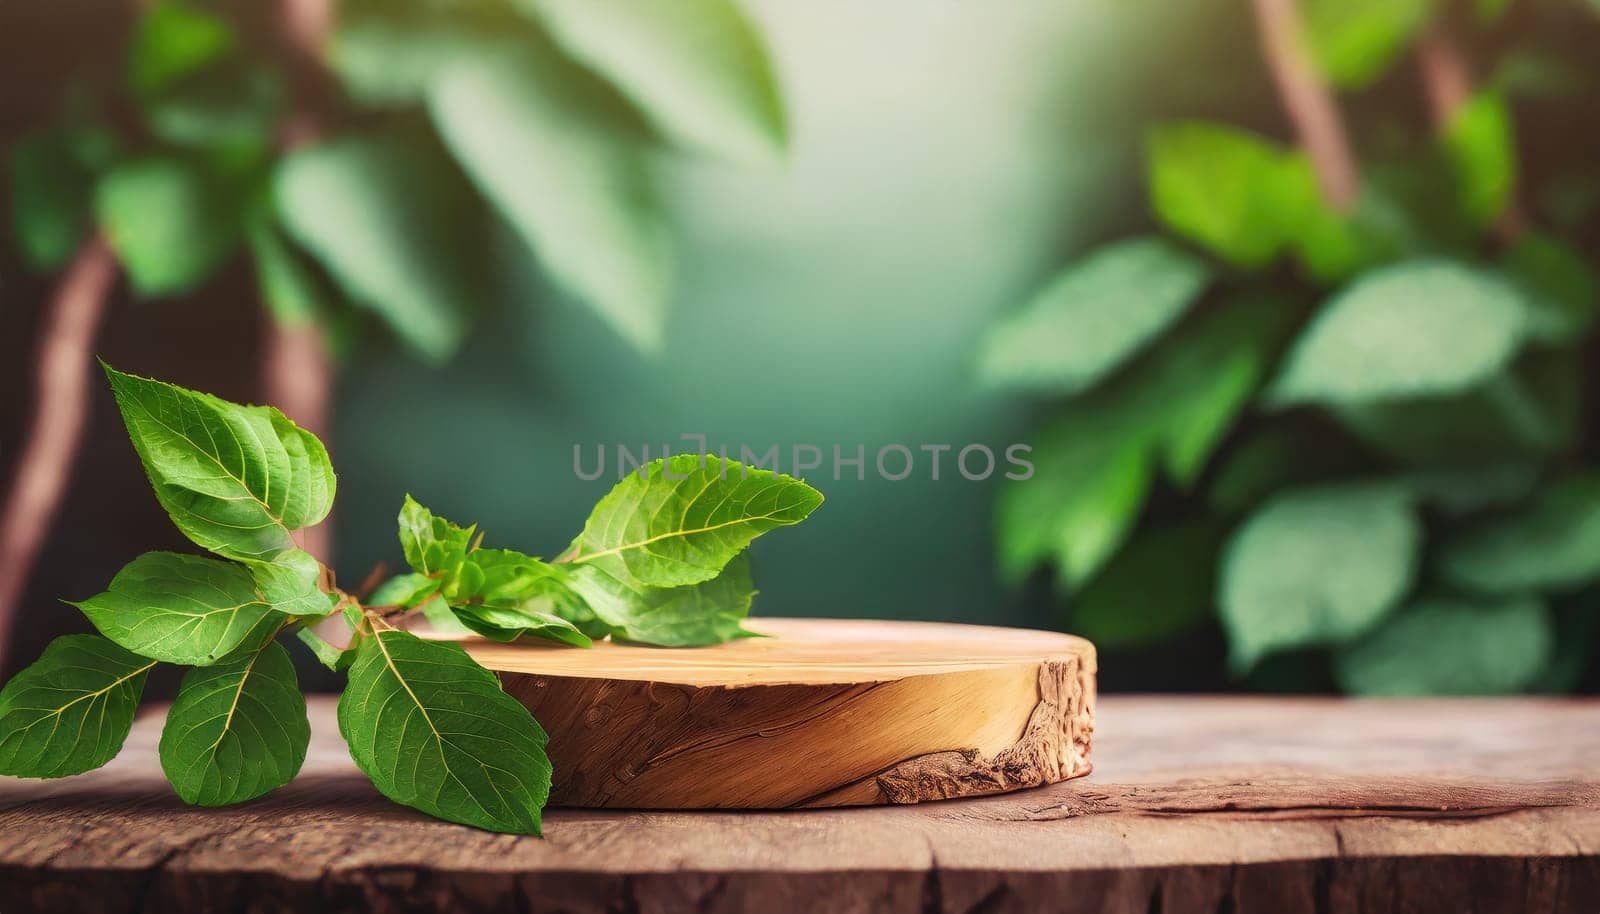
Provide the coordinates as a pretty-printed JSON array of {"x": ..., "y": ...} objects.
[
  {"x": 1361, "y": 432},
  {"x": 375, "y": 188}
]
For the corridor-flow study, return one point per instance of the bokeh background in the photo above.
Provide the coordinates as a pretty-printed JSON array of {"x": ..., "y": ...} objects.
[{"x": 944, "y": 162}]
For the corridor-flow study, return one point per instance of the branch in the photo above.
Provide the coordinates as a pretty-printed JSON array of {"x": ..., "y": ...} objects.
[
  {"x": 53, "y": 439},
  {"x": 1308, "y": 102}
]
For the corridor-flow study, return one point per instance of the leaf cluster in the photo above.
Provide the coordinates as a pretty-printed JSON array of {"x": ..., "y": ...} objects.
[
  {"x": 445, "y": 121},
  {"x": 660, "y": 561},
  {"x": 1364, "y": 423}
]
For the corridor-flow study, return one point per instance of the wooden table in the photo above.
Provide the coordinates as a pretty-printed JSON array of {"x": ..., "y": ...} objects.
[{"x": 1210, "y": 804}]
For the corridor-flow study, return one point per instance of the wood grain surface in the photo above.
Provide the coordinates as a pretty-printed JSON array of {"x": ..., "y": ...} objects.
[
  {"x": 1196, "y": 804},
  {"x": 824, "y": 713}
]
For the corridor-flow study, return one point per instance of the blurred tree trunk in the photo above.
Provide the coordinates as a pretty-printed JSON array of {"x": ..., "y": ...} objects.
[
  {"x": 297, "y": 373},
  {"x": 50, "y": 448}
]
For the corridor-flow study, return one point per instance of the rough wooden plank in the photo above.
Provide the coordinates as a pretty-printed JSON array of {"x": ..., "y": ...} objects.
[{"x": 1196, "y": 803}]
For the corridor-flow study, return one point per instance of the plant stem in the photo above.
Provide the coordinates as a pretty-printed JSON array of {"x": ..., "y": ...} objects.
[
  {"x": 1308, "y": 102},
  {"x": 56, "y": 433}
]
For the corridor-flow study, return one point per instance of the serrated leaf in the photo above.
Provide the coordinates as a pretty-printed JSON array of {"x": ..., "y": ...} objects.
[
  {"x": 503, "y": 594},
  {"x": 387, "y": 222},
  {"x": 1419, "y": 328},
  {"x": 292, "y": 584},
  {"x": 1355, "y": 41},
  {"x": 692, "y": 615},
  {"x": 70, "y": 711},
  {"x": 173, "y": 40},
  {"x": 557, "y": 156},
  {"x": 654, "y": 531},
  {"x": 170, "y": 223},
  {"x": 1228, "y": 190},
  {"x": 1159, "y": 586},
  {"x": 1451, "y": 647},
  {"x": 1558, "y": 285},
  {"x": 433, "y": 730},
  {"x": 1480, "y": 145},
  {"x": 433, "y": 546},
  {"x": 236, "y": 730},
  {"x": 1552, "y": 544},
  {"x": 1317, "y": 566},
  {"x": 696, "y": 67},
  {"x": 184, "y": 609},
  {"x": 1093, "y": 317},
  {"x": 404, "y": 591},
  {"x": 235, "y": 479}
]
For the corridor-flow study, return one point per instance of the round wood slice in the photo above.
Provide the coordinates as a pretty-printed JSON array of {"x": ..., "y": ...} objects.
[{"x": 823, "y": 713}]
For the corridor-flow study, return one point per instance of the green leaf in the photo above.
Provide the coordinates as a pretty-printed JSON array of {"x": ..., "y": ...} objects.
[
  {"x": 434, "y": 731},
  {"x": 1419, "y": 328},
  {"x": 71, "y": 710},
  {"x": 237, "y": 730},
  {"x": 1093, "y": 466},
  {"x": 1197, "y": 381},
  {"x": 710, "y": 612},
  {"x": 1317, "y": 566},
  {"x": 1159, "y": 586},
  {"x": 232, "y": 114},
  {"x": 173, "y": 40},
  {"x": 1093, "y": 317},
  {"x": 1355, "y": 41},
  {"x": 1228, "y": 190},
  {"x": 1558, "y": 284},
  {"x": 388, "y": 223},
  {"x": 383, "y": 61},
  {"x": 50, "y": 190},
  {"x": 503, "y": 595},
  {"x": 684, "y": 521},
  {"x": 333, "y": 658},
  {"x": 1455, "y": 491},
  {"x": 292, "y": 583},
  {"x": 1091, "y": 474},
  {"x": 1480, "y": 145},
  {"x": 1552, "y": 544},
  {"x": 184, "y": 609},
  {"x": 1451, "y": 647},
  {"x": 292, "y": 292},
  {"x": 235, "y": 479},
  {"x": 554, "y": 152},
  {"x": 434, "y": 547},
  {"x": 404, "y": 591},
  {"x": 696, "y": 67},
  {"x": 1517, "y": 415},
  {"x": 170, "y": 224}
]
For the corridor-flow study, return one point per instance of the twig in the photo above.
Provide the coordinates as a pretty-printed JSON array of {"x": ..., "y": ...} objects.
[
  {"x": 1308, "y": 102},
  {"x": 53, "y": 439}
]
